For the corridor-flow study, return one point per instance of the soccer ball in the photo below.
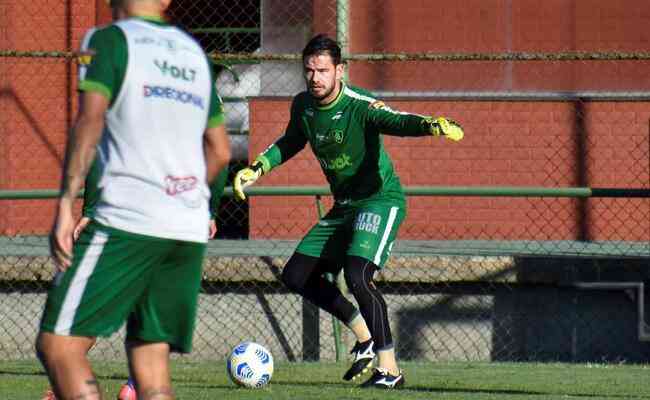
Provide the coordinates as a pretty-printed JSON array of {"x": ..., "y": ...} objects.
[{"x": 250, "y": 364}]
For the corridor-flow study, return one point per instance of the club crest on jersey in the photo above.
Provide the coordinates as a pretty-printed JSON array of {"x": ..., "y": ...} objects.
[
  {"x": 309, "y": 112},
  {"x": 337, "y": 116},
  {"x": 337, "y": 135}
]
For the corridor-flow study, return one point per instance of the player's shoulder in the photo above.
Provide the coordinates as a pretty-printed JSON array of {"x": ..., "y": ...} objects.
[
  {"x": 103, "y": 33},
  {"x": 359, "y": 91},
  {"x": 301, "y": 101},
  {"x": 359, "y": 95},
  {"x": 363, "y": 99}
]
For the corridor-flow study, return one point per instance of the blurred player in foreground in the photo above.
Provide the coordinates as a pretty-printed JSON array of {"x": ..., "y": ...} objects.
[
  {"x": 91, "y": 196},
  {"x": 139, "y": 260}
]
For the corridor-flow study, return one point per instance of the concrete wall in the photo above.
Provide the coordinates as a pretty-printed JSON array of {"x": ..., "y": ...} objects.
[{"x": 462, "y": 323}]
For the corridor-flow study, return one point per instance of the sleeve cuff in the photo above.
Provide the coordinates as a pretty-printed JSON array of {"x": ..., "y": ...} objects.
[
  {"x": 216, "y": 121},
  {"x": 92, "y": 86},
  {"x": 266, "y": 164},
  {"x": 88, "y": 214},
  {"x": 427, "y": 125}
]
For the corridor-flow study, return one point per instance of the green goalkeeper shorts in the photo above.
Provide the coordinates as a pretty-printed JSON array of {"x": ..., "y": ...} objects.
[
  {"x": 118, "y": 276},
  {"x": 365, "y": 229}
]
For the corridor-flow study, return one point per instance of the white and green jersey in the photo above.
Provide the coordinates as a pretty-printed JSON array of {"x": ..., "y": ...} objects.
[{"x": 150, "y": 158}]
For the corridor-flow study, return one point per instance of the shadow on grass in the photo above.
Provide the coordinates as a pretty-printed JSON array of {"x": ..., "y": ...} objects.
[
  {"x": 42, "y": 373},
  {"x": 21, "y": 373},
  {"x": 322, "y": 385}
]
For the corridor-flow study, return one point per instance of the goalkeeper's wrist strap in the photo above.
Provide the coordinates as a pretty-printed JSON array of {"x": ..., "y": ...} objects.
[
  {"x": 430, "y": 126},
  {"x": 262, "y": 164},
  {"x": 257, "y": 166}
]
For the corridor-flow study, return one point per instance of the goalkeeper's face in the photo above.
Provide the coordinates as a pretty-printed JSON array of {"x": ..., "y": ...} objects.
[{"x": 322, "y": 77}]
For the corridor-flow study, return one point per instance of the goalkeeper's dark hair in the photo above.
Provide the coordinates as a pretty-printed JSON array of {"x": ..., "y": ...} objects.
[{"x": 323, "y": 44}]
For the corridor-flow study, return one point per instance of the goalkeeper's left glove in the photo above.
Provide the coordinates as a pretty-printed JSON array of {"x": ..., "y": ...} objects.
[
  {"x": 446, "y": 127},
  {"x": 246, "y": 177}
]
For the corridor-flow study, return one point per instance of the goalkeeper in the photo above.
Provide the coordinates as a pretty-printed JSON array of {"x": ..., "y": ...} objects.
[{"x": 342, "y": 125}]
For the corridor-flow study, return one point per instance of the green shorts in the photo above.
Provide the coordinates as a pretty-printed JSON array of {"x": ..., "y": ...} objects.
[
  {"x": 365, "y": 229},
  {"x": 115, "y": 276}
]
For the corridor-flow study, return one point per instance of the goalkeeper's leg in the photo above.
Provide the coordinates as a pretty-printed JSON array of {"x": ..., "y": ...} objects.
[
  {"x": 359, "y": 273},
  {"x": 305, "y": 275}
]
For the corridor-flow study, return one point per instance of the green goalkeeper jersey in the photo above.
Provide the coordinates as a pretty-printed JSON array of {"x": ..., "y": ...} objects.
[{"x": 345, "y": 138}]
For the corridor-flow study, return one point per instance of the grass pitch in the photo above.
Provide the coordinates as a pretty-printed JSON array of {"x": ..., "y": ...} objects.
[{"x": 24, "y": 380}]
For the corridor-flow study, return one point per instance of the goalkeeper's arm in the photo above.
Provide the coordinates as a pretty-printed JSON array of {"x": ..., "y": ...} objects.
[
  {"x": 281, "y": 151},
  {"x": 396, "y": 123}
]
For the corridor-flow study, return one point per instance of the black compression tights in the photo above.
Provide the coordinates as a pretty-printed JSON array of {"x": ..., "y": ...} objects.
[{"x": 304, "y": 275}]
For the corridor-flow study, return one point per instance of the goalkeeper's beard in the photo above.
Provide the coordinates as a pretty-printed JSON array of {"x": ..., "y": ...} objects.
[{"x": 326, "y": 94}]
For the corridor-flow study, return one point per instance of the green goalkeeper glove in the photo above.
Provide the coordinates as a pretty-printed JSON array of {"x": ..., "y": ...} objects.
[
  {"x": 246, "y": 177},
  {"x": 446, "y": 127}
]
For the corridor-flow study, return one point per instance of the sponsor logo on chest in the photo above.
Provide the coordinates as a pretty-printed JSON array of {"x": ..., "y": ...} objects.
[
  {"x": 337, "y": 164},
  {"x": 176, "y": 72},
  {"x": 176, "y": 185},
  {"x": 169, "y": 93}
]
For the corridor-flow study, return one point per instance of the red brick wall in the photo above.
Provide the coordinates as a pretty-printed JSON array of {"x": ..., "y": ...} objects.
[
  {"x": 507, "y": 143},
  {"x": 468, "y": 26},
  {"x": 37, "y": 98}
]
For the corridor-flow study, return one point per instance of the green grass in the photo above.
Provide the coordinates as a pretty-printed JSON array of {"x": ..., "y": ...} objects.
[{"x": 25, "y": 380}]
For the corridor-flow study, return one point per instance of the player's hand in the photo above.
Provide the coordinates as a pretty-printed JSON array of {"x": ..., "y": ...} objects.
[
  {"x": 448, "y": 128},
  {"x": 81, "y": 225},
  {"x": 246, "y": 177},
  {"x": 61, "y": 237},
  {"x": 213, "y": 228}
]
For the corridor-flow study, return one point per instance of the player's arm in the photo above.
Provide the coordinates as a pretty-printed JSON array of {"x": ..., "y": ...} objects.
[
  {"x": 287, "y": 146},
  {"x": 216, "y": 194},
  {"x": 217, "y": 151},
  {"x": 80, "y": 153},
  {"x": 91, "y": 196},
  {"x": 91, "y": 191},
  {"x": 82, "y": 142},
  {"x": 217, "y": 156},
  {"x": 215, "y": 140},
  {"x": 91, "y": 188},
  {"x": 98, "y": 86},
  {"x": 216, "y": 190},
  {"x": 102, "y": 75},
  {"x": 398, "y": 123}
]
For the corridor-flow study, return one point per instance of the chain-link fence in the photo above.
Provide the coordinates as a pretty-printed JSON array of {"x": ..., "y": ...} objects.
[{"x": 480, "y": 270}]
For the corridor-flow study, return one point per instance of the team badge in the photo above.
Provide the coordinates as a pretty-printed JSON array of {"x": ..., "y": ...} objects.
[{"x": 338, "y": 136}]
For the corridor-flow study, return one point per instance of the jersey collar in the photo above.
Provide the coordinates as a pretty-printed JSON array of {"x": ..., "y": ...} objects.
[
  {"x": 153, "y": 19},
  {"x": 334, "y": 102}
]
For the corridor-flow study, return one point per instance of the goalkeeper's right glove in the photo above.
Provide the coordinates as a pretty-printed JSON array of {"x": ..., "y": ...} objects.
[
  {"x": 446, "y": 127},
  {"x": 246, "y": 177}
]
